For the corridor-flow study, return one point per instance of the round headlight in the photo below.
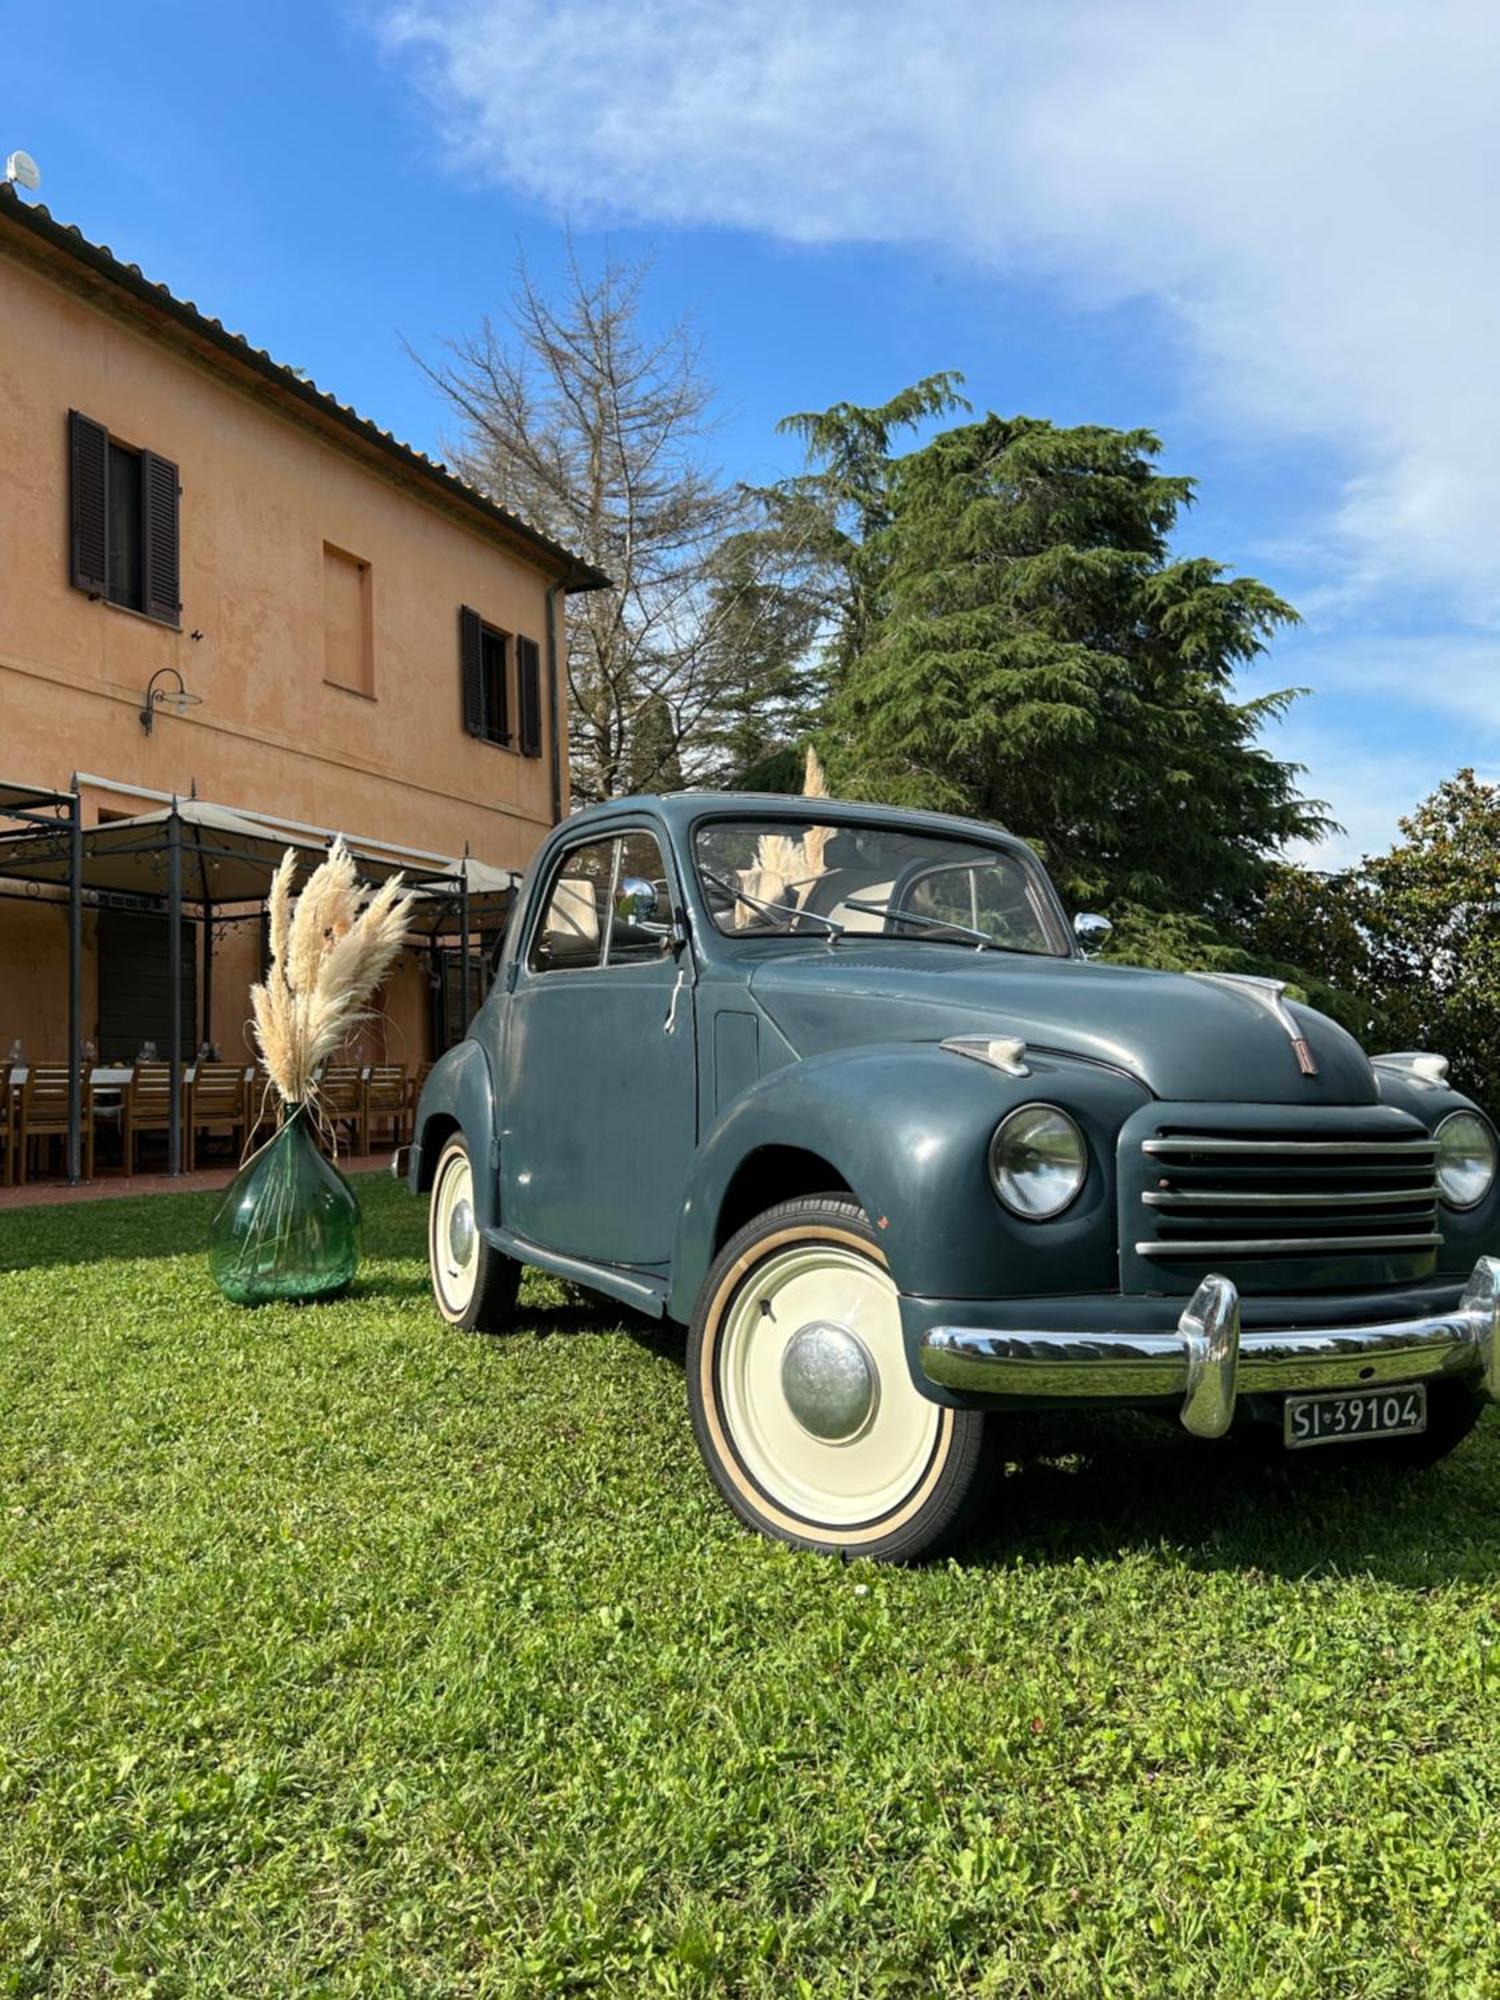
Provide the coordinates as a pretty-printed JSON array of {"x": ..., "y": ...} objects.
[
  {"x": 1037, "y": 1161},
  {"x": 1465, "y": 1159}
]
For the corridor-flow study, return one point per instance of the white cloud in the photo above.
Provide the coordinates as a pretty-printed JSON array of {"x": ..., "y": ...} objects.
[
  {"x": 1457, "y": 675},
  {"x": 1370, "y": 786},
  {"x": 1368, "y": 791},
  {"x": 1309, "y": 190}
]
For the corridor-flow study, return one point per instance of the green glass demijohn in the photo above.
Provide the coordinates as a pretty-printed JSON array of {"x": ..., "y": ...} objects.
[{"x": 289, "y": 1226}]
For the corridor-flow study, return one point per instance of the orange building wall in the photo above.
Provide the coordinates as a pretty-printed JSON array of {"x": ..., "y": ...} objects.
[{"x": 262, "y": 494}]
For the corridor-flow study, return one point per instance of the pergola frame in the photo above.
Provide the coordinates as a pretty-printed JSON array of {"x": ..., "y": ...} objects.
[
  {"x": 190, "y": 841},
  {"x": 59, "y": 813}
]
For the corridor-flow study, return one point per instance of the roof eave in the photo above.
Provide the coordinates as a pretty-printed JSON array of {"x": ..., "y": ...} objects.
[{"x": 32, "y": 220}]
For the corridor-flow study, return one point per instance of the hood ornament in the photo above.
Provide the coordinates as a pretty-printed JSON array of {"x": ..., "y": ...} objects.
[{"x": 1267, "y": 993}]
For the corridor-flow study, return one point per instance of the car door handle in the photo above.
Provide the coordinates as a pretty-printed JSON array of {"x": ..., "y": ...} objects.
[{"x": 669, "y": 1026}]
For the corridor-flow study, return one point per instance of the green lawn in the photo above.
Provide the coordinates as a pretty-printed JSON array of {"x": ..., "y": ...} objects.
[{"x": 343, "y": 1654}]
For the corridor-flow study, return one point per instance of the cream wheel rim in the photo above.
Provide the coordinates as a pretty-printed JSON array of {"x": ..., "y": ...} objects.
[
  {"x": 822, "y": 1304},
  {"x": 453, "y": 1242}
]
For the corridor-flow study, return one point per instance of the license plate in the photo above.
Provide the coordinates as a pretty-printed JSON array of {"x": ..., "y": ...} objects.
[{"x": 1346, "y": 1415}]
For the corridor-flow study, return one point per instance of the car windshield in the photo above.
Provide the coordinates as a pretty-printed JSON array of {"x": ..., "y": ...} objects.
[{"x": 812, "y": 878}]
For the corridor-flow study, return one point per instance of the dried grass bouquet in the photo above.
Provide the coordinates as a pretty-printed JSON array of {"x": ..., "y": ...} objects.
[{"x": 327, "y": 957}]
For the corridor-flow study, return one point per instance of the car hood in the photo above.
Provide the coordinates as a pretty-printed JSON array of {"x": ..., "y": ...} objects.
[{"x": 1182, "y": 1036}]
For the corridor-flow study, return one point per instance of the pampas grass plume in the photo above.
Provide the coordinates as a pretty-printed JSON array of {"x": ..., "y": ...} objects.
[{"x": 327, "y": 957}]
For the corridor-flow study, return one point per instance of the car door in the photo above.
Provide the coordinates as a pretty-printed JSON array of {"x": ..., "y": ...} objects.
[{"x": 598, "y": 1109}]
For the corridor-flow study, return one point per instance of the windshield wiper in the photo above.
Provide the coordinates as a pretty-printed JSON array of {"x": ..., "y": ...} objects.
[
  {"x": 831, "y": 929},
  {"x": 893, "y": 910}
]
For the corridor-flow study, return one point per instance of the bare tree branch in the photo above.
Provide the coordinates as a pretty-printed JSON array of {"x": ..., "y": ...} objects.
[{"x": 597, "y": 431}]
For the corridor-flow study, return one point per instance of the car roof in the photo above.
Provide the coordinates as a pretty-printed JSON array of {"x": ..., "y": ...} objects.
[{"x": 681, "y": 811}]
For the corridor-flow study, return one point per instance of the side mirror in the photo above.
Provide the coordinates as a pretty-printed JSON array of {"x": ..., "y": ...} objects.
[
  {"x": 636, "y": 900},
  {"x": 1091, "y": 931}
]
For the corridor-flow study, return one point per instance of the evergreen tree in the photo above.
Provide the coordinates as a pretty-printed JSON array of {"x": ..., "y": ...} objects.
[
  {"x": 770, "y": 688},
  {"x": 652, "y": 759},
  {"x": 1012, "y": 639}
]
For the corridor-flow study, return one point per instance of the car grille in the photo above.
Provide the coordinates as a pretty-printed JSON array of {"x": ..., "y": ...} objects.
[{"x": 1282, "y": 1195}]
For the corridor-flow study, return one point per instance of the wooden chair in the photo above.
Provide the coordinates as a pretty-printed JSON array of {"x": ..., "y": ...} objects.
[
  {"x": 44, "y": 1114},
  {"x": 216, "y": 1103},
  {"x": 386, "y": 1101},
  {"x": 341, "y": 1090},
  {"x": 147, "y": 1107}
]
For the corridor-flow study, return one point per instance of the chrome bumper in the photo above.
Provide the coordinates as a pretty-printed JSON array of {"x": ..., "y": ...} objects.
[{"x": 1209, "y": 1364}]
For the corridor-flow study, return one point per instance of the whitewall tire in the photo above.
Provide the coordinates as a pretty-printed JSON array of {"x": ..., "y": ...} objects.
[
  {"x": 474, "y": 1284},
  {"x": 802, "y": 1400}
]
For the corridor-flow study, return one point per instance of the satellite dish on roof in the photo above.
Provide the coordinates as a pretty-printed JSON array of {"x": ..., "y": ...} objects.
[{"x": 23, "y": 171}]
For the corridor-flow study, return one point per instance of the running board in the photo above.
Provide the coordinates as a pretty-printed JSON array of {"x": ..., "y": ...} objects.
[{"x": 647, "y": 1295}]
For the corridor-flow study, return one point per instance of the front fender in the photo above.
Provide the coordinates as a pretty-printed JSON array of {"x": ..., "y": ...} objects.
[
  {"x": 458, "y": 1095},
  {"x": 1468, "y": 1233},
  {"x": 907, "y": 1126}
]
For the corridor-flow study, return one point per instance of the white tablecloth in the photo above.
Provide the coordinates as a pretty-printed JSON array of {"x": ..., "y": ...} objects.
[{"x": 110, "y": 1076}]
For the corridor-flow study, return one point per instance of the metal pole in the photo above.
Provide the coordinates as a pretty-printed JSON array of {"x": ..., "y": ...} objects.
[
  {"x": 554, "y": 747},
  {"x": 463, "y": 921},
  {"x": 75, "y": 988},
  {"x": 206, "y": 1038},
  {"x": 174, "y": 973}
]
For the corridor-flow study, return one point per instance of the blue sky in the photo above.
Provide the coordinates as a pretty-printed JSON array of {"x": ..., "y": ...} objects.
[{"x": 1265, "y": 232}]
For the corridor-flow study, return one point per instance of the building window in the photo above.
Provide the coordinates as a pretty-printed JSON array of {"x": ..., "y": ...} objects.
[
  {"x": 492, "y": 662},
  {"x": 348, "y": 623},
  {"x": 484, "y": 661},
  {"x": 125, "y": 522},
  {"x": 123, "y": 508}
]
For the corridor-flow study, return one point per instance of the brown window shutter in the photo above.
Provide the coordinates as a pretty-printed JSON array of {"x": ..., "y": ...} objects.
[
  {"x": 88, "y": 453},
  {"x": 471, "y": 663},
  {"x": 529, "y": 696},
  {"x": 161, "y": 568}
]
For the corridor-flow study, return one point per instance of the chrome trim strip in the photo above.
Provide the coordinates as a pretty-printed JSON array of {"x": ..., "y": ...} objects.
[
  {"x": 1268, "y": 993},
  {"x": 1416, "y": 1065},
  {"x": 1282, "y": 1246},
  {"x": 1227, "y": 1198},
  {"x": 1209, "y": 1362},
  {"x": 1315, "y": 1147}
]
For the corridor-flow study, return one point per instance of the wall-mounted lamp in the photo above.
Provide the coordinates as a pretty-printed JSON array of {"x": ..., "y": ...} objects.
[{"x": 177, "y": 699}]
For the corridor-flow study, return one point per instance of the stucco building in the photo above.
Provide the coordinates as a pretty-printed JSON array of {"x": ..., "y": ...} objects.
[{"x": 373, "y": 645}]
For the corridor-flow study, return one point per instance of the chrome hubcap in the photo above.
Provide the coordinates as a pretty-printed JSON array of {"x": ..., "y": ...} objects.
[
  {"x": 461, "y": 1233},
  {"x": 829, "y": 1381}
]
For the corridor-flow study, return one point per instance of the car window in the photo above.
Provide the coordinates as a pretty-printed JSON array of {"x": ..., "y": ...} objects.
[
  {"x": 571, "y": 933},
  {"x": 794, "y": 877},
  {"x": 609, "y": 903},
  {"x": 642, "y": 926},
  {"x": 994, "y": 897}
]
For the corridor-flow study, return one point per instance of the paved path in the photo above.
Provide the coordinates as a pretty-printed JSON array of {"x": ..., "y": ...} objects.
[{"x": 39, "y": 1194}]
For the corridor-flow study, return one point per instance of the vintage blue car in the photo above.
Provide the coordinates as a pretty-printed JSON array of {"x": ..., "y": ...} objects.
[{"x": 839, "y": 1087}]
